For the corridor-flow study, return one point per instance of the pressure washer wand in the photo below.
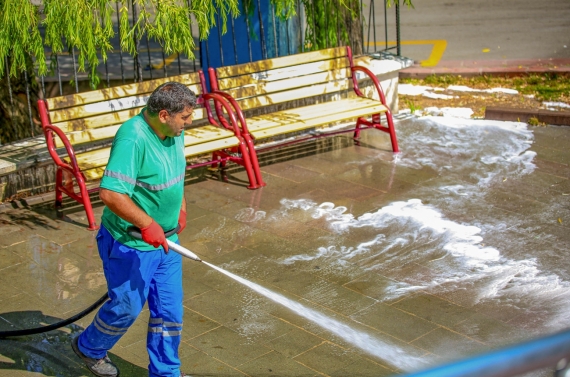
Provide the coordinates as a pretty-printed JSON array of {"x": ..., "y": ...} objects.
[
  {"x": 135, "y": 232},
  {"x": 182, "y": 250}
]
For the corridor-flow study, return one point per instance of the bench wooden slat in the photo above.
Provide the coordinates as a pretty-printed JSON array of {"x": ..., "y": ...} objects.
[
  {"x": 96, "y": 168},
  {"x": 268, "y": 77},
  {"x": 109, "y": 119},
  {"x": 310, "y": 112},
  {"x": 285, "y": 61},
  {"x": 101, "y": 107},
  {"x": 98, "y": 108},
  {"x": 280, "y": 97},
  {"x": 263, "y": 88},
  {"x": 192, "y": 80},
  {"x": 205, "y": 133},
  {"x": 295, "y": 122},
  {"x": 100, "y": 128},
  {"x": 210, "y": 146},
  {"x": 200, "y": 140},
  {"x": 97, "y": 134}
]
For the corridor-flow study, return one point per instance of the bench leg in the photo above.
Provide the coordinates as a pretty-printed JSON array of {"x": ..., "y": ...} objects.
[
  {"x": 58, "y": 187},
  {"x": 250, "y": 169},
  {"x": 67, "y": 188},
  {"x": 392, "y": 132},
  {"x": 376, "y": 123},
  {"x": 86, "y": 201},
  {"x": 357, "y": 129},
  {"x": 215, "y": 161},
  {"x": 254, "y": 160}
]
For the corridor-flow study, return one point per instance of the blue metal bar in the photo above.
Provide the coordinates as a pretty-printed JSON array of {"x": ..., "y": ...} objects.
[{"x": 508, "y": 362}]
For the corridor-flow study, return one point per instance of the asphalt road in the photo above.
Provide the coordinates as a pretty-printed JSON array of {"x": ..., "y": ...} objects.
[
  {"x": 432, "y": 31},
  {"x": 483, "y": 29}
]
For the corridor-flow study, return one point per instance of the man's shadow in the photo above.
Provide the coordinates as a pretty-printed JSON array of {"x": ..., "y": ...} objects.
[{"x": 48, "y": 354}]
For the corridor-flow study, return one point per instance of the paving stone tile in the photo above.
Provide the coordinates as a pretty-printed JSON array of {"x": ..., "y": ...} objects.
[
  {"x": 228, "y": 346},
  {"x": 394, "y": 322},
  {"x": 434, "y": 309},
  {"x": 291, "y": 172},
  {"x": 294, "y": 342},
  {"x": 275, "y": 364},
  {"x": 448, "y": 345},
  {"x": 363, "y": 368},
  {"x": 256, "y": 325},
  {"x": 490, "y": 331},
  {"x": 214, "y": 234},
  {"x": 10, "y": 258},
  {"x": 196, "y": 324},
  {"x": 203, "y": 364},
  {"x": 216, "y": 306},
  {"x": 372, "y": 285},
  {"x": 327, "y": 358}
]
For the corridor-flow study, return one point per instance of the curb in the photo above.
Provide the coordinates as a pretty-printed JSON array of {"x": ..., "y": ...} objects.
[
  {"x": 472, "y": 68},
  {"x": 557, "y": 118}
]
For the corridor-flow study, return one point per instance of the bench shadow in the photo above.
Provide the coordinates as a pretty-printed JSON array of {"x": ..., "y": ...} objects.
[{"x": 48, "y": 354}]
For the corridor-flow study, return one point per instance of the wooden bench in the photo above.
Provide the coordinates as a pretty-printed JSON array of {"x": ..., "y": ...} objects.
[
  {"x": 329, "y": 75},
  {"x": 79, "y": 130}
]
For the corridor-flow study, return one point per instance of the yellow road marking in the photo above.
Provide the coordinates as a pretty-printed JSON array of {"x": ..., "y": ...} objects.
[
  {"x": 167, "y": 61},
  {"x": 439, "y": 46}
]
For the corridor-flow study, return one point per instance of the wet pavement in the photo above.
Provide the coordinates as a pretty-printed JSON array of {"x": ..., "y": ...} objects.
[{"x": 356, "y": 262}]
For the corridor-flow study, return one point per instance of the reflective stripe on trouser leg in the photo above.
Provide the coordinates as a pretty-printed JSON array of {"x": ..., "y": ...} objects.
[
  {"x": 128, "y": 273},
  {"x": 165, "y": 322}
]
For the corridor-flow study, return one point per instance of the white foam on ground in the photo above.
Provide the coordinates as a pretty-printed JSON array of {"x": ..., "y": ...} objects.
[
  {"x": 456, "y": 112},
  {"x": 469, "y": 156},
  {"x": 463, "y": 88},
  {"x": 410, "y": 232},
  {"x": 427, "y": 91},
  {"x": 551, "y": 105}
]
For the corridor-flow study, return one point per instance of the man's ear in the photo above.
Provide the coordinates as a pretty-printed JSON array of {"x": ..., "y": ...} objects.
[{"x": 163, "y": 116}]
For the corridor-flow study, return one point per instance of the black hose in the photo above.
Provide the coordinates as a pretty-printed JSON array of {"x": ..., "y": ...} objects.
[{"x": 65, "y": 322}]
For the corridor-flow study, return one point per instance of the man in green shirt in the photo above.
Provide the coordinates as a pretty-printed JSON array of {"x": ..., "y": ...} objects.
[{"x": 143, "y": 186}]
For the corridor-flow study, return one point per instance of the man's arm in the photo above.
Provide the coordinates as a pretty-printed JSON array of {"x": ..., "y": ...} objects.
[
  {"x": 125, "y": 208},
  {"x": 183, "y": 208},
  {"x": 182, "y": 216}
]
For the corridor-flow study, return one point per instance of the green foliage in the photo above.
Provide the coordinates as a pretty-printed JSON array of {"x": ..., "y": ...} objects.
[
  {"x": 19, "y": 35},
  {"x": 325, "y": 23},
  {"x": 86, "y": 26},
  {"x": 407, "y": 3},
  {"x": 412, "y": 106}
]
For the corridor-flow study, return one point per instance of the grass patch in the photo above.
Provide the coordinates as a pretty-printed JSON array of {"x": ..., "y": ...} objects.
[{"x": 545, "y": 87}]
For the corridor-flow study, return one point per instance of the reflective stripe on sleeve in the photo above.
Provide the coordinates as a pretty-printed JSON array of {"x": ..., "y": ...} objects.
[{"x": 129, "y": 180}]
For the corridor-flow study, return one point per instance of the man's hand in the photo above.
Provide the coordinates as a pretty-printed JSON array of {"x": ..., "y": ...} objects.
[
  {"x": 154, "y": 235},
  {"x": 181, "y": 221}
]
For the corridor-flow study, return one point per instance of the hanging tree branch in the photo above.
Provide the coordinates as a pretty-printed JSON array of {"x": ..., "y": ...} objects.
[{"x": 86, "y": 26}]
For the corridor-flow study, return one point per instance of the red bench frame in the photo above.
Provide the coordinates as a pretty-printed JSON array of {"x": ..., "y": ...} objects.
[{"x": 71, "y": 167}]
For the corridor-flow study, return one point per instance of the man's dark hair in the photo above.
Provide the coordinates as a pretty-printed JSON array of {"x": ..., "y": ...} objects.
[{"x": 173, "y": 97}]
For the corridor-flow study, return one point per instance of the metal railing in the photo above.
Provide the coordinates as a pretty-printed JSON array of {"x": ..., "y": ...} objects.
[{"x": 551, "y": 351}]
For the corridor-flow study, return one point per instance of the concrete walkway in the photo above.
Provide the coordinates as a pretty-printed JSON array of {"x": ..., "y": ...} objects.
[{"x": 363, "y": 263}]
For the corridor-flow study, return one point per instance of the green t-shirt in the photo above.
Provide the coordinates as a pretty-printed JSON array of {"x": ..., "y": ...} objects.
[{"x": 151, "y": 172}]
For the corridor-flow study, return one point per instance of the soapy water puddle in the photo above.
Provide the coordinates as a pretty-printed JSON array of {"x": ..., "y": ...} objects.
[{"x": 411, "y": 232}]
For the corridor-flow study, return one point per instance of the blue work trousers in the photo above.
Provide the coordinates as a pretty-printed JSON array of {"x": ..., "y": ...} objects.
[{"x": 133, "y": 277}]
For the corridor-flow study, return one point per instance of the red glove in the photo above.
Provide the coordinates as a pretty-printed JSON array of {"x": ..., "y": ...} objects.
[
  {"x": 181, "y": 221},
  {"x": 154, "y": 235}
]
